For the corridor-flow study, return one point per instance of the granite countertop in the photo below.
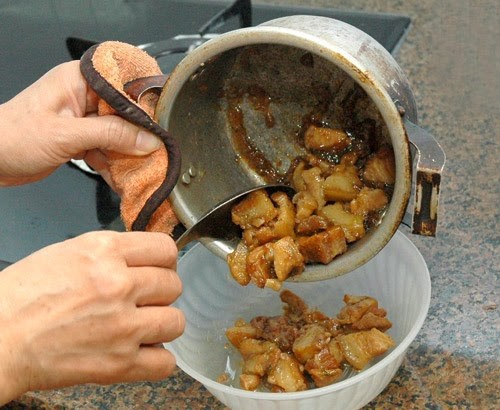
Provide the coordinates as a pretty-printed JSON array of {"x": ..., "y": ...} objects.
[{"x": 451, "y": 59}]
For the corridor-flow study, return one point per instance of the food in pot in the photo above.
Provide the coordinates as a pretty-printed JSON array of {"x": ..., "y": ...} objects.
[
  {"x": 336, "y": 203},
  {"x": 304, "y": 348}
]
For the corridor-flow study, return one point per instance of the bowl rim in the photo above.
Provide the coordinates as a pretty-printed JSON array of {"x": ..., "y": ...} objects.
[{"x": 399, "y": 350}]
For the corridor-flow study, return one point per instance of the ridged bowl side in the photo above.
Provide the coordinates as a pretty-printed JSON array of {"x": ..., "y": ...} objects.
[{"x": 398, "y": 277}]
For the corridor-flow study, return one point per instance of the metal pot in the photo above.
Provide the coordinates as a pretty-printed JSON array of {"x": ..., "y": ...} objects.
[{"x": 293, "y": 59}]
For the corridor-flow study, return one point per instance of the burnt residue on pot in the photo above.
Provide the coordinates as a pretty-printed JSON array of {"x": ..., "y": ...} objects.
[
  {"x": 260, "y": 101},
  {"x": 244, "y": 147},
  {"x": 257, "y": 97},
  {"x": 307, "y": 59},
  {"x": 275, "y": 94}
]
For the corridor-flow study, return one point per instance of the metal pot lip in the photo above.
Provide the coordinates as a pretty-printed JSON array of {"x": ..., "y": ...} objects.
[{"x": 338, "y": 55}]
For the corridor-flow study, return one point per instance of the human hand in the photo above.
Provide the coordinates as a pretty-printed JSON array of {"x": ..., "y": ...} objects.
[
  {"x": 55, "y": 120},
  {"x": 89, "y": 309}
]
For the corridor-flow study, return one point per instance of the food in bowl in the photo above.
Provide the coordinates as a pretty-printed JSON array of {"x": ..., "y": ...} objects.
[
  {"x": 339, "y": 198},
  {"x": 304, "y": 348}
]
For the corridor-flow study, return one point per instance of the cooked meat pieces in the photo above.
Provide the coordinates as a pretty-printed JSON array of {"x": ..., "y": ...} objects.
[
  {"x": 341, "y": 194},
  {"x": 295, "y": 308},
  {"x": 237, "y": 262},
  {"x": 311, "y": 225},
  {"x": 259, "y": 264},
  {"x": 305, "y": 205},
  {"x": 278, "y": 329},
  {"x": 324, "y": 368},
  {"x": 370, "y": 320},
  {"x": 285, "y": 223},
  {"x": 249, "y": 381},
  {"x": 361, "y": 347},
  {"x": 368, "y": 201},
  {"x": 352, "y": 225},
  {"x": 362, "y": 313},
  {"x": 242, "y": 332},
  {"x": 380, "y": 167},
  {"x": 323, "y": 246},
  {"x": 311, "y": 339},
  {"x": 255, "y": 210},
  {"x": 287, "y": 374},
  {"x": 326, "y": 139},
  {"x": 313, "y": 179},
  {"x": 280, "y": 226},
  {"x": 283, "y": 352},
  {"x": 343, "y": 184},
  {"x": 287, "y": 258},
  {"x": 355, "y": 308}
]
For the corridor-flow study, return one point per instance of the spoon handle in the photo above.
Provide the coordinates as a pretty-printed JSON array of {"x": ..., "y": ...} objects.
[{"x": 188, "y": 236}]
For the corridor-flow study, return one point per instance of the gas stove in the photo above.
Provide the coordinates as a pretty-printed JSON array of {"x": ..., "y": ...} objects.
[{"x": 47, "y": 32}]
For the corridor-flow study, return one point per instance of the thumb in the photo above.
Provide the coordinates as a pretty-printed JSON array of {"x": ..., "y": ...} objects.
[{"x": 112, "y": 133}]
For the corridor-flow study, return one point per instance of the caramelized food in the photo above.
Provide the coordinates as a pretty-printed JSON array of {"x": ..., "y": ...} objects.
[
  {"x": 304, "y": 348},
  {"x": 336, "y": 204}
]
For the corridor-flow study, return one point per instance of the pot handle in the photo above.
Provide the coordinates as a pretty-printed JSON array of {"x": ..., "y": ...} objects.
[
  {"x": 429, "y": 159},
  {"x": 136, "y": 88}
]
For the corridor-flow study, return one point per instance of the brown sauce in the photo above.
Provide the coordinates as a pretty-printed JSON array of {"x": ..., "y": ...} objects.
[{"x": 244, "y": 147}]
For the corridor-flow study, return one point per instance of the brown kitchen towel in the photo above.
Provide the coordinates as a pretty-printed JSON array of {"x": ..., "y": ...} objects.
[{"x": 135, "y": 178}]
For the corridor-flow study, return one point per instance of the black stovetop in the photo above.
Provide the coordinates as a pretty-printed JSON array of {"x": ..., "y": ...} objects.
[{"x": 33, "y": 37}]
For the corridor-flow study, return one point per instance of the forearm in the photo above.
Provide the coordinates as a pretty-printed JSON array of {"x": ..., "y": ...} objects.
[
  {"x": 7, "y": 392},
  {"x": 9, "y": 379},
  {"x": 5, "y": 130},
  {"x": 16, "y": 142}
]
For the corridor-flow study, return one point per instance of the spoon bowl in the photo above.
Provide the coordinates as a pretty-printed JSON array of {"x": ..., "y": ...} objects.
[{"x": 217, "y": 232}]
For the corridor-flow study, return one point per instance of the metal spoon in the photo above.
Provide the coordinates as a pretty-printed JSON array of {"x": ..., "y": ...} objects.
[{"x": 216, "y": 230}]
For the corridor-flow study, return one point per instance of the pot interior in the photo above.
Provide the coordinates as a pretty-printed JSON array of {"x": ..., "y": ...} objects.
[{"x": 241, "y": 118}]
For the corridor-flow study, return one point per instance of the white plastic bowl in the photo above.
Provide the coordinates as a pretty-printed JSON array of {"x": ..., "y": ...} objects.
[{"x": 398, "y": 277}]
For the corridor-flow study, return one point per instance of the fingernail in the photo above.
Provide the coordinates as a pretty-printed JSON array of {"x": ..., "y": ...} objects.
[{"x": 147, "y": 142}]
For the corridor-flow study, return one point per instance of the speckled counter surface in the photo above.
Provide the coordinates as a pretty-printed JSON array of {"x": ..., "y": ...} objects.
[{"x": 451, "y": 59}]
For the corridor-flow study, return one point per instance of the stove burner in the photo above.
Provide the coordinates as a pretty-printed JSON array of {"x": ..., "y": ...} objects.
[{"x": 182, "y": 43}]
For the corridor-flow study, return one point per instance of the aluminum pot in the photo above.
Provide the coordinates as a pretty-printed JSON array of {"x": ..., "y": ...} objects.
[{"x": 298, "y": 62}]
